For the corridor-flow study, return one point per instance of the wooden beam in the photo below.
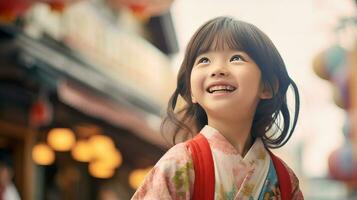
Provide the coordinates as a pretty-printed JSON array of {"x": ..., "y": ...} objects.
[
  {"x": 12, "y": 130},
  {"x": 28, "y": 138}
]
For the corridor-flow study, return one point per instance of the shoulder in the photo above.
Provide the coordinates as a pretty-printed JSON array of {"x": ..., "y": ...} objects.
[
  {"x": 176, "y": 167},
  {"x": 177, "y": 155},
  {"x": 171, "y": 178}
]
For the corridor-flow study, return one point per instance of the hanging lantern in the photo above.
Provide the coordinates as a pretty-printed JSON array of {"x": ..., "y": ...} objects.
[
  {"x": 143, "y": 8},
  {"x": 328, "y": 63},
  {"x": 137, "y": 176},
  {"x": 331, "y": 65},
  {"x": 58, "y": 5},
  {"x": 98, "y": 170},
  {"x": 42, "y": 154},
  {"x": 342, "y": 164},
  {"x": 112, "y": 158},
  {"x": 11, "y": 9},
  {"x": 82, "y": 151},
  {"x": 61, "y": 139},
  {"x": 101, "y": 144},
  {"x": 41, "y": 112}
]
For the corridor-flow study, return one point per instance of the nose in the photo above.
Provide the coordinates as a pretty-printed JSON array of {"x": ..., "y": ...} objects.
[
  {"x": 220, "y": 74},
  {"x": 219, "y": 71}
]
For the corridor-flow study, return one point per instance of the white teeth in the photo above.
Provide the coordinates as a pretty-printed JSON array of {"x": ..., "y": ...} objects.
[{"x": 221, "y": 88}]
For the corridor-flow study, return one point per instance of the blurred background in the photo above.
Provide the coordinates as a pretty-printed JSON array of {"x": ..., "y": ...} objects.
[{"x": 83, "y": 77}]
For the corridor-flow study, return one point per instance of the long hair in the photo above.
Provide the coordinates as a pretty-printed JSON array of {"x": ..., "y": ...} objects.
[{"x": 224, "y": 32}]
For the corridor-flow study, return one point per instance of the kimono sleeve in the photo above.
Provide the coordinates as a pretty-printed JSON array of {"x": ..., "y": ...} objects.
[{"x": 171, "y": 178}]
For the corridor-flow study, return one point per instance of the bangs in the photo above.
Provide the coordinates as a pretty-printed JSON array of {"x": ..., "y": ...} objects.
[
  {"x": 224, "y": 33},
  {"x": 220, "y": 35}
]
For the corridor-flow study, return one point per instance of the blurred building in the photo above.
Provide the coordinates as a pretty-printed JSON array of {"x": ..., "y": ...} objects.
[{"x": 82, "y": 88}]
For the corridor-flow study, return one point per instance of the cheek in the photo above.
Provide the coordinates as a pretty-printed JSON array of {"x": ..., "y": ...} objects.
[
  {"x": 196, "y": 81},
  {"x": 250, "y": 82}
]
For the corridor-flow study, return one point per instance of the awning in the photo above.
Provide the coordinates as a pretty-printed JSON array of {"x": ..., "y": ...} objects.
[{"x": 85, "y": 89}]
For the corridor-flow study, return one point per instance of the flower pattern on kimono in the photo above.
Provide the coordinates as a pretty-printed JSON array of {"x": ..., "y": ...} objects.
[
  {"x": 219, "y": 143},
  {"x": 158, "y": 179},
  {"x": 176, "y": 155},
  {"x": 242, "y": 172},
  {"x": 273, "y": 193},
  {"x": 223, "y": 195},
  {"x": 171, "y": 178},
  {"x": 181, "y": 179}
]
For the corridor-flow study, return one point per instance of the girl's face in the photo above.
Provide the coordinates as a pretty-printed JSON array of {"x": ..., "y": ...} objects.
[{"x": 226, "y": 82}]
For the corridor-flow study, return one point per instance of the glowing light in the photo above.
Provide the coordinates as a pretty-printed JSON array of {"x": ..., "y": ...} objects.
[
  {"x": 101, "y": 144},
  {"x": 99, "y": 170},
  {"x": 137, "y": 176},
  {"x": 42, "y": 154},
  {"x": 112, "y": 158},
  {"x": 82, "y": 151},
  {"x": 61, "y": 139}
]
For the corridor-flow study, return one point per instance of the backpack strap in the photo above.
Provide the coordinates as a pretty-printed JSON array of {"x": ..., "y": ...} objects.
[
  {"x": 204, "y": 168},
  {"x": 283, "y": 177}
]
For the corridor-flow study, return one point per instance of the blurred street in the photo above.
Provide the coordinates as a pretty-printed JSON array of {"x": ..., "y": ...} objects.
[{"x": 84, "y": 85}]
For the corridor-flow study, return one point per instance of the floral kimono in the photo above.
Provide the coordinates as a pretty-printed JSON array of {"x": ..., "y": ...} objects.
[{"x": 252, "y": 177}]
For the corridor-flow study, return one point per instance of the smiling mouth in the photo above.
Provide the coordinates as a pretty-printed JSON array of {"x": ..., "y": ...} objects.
[{"x": 221, "y": 89}]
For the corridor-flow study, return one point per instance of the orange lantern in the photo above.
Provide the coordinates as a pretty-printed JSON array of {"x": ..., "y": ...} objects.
[
  {"x": 100, "y": 170},
  {"x": 82, "y": 151},
  {"x": 137, "y": 176},
  {"x": 112, "y": 158},
  {"x": 61, "y": 139},
  {"x": 42, "y": 154},
  {"x": 101, "y": 144}
]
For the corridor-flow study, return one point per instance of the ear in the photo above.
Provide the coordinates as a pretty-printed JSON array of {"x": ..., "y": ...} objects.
[{"x": 266, "y": 91}]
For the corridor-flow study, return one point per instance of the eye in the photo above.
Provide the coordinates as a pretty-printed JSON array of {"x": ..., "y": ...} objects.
[
  {"x": 236, "y": 58},
  {"x": 203, "y": 60}
]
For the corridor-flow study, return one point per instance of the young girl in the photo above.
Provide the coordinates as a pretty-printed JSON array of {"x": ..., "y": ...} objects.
[{"x": 234, "y": 83}]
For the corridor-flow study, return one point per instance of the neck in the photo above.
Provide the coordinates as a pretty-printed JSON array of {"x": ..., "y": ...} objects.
[{"x": 237, "y": 133}]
